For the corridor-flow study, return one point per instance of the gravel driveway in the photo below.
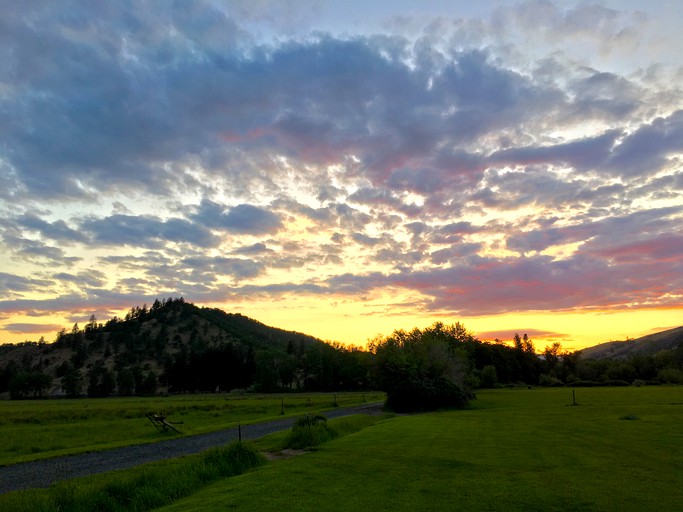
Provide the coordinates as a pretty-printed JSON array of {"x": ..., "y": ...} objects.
[{"x": 43, "y": 473}]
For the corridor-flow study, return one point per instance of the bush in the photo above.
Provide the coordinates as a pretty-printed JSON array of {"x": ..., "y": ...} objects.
[
  {"x": 309, "y": 431},
  {"x": 670, "y": 376},
  {"x": 616, "y": 382},
  {"x": 232, "y": 460},
  {"x": 549, "y": 381},
  {"x": 424, "y": 370},
  {"x": 145, "y": 487},
  {"x": 488, "y": 376},
  {"x": 426, "y": 395},
  {"x": 585, "y": 383}
]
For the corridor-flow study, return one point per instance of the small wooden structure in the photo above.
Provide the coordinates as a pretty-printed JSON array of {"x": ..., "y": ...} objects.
[{"x": 161, "y": 423}]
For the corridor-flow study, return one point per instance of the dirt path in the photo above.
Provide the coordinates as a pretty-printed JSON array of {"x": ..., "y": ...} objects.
[{"x": 43, "y": 473}]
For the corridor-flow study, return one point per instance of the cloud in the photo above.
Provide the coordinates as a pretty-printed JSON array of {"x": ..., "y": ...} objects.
[
  {"x": 147, "y": 231},
  {"x": 243, "y": 218},
  {"x": 91, "y": 278},
  {"x": 15, "y": 283},
  {"x": 27, "y": 328},
  {"x": 58, "y": 230},
  {"x": 255, "y": 249},
  {"x": 218, "y": 266},
  {"x": 509, "y": 334},
  {"x": 37, "y": 251},
  {"x": 646, "y": 150},
  {"x": 606, "y": 233}
]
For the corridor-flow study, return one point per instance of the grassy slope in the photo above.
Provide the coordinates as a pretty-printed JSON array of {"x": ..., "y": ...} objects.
[
  {"x": 515, "y": 450},
  {"x": 649, "y": 344},
  {"x": 33, "y": 429},
  {"x": 156, "y": 484}
]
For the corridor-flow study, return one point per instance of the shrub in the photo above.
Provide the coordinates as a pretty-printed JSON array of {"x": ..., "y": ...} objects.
[
  {"x": 424, "y": 370},
  {"x": 309, "y": 431},
  {"x": 616, "y": 382},
  {"x": 585, "y": 383},
  {"x": 146, "y": 487},
  {"x": 670, "y": 376},
  {"x": 549, "y": 381},
  {"x": 488, "y": 376},
  {"x": 234, "y": 459}
]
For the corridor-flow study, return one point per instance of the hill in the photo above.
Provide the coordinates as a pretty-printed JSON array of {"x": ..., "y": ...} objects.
[
  {"x": 646, "y": 345},
  {"x": 175, "y": 346}
]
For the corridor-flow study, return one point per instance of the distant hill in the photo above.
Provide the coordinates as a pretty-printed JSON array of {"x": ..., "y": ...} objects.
[
  {"x": 646, "y": 345},
  {"x": 175, "y": 346}
]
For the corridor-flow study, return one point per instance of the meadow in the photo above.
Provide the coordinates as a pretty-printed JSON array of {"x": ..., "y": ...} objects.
[
  {"x": 514, "y": 449},
  {"x": 34, "y": 429},
  {"x": 618, "y": 449}
]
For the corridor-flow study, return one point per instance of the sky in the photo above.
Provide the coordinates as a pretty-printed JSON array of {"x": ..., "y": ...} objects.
[{"x": 345, "y": 169}]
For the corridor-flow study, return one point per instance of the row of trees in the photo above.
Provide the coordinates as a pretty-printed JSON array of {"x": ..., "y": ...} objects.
[{"x": 178, "y": 347}]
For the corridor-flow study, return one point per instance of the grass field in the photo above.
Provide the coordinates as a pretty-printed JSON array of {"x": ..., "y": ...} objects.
[
  {"x": 619, "y": 449},
  {"x": 33, "y": 429}
]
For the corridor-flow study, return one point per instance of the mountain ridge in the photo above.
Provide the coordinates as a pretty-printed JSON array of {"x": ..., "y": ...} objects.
[
  {"x": 175, "y": 346},
  {"x": 645, "y": 345}
]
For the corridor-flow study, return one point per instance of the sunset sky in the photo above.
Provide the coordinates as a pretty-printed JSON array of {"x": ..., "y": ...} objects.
[{"x": 347, "y": 168}]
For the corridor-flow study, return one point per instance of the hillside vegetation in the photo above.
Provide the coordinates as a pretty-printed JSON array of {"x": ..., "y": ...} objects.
[
  {"x": 176, "y": 347},
  {"x": 646, "y": 345}
]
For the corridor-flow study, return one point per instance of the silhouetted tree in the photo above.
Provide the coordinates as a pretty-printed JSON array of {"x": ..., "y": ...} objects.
[{"x": 422, "y": 370}]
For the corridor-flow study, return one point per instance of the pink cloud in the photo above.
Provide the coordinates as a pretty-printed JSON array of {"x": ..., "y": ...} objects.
[
  {"x": 665, "y": 248},
  {"x": 21, "y": 328}
]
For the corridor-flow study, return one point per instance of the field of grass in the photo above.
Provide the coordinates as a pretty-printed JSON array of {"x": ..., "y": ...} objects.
[
  {"x": 33, "y": 429},
  {"x": 156, "y": 484},
  {"x": 619, "y": 449}
]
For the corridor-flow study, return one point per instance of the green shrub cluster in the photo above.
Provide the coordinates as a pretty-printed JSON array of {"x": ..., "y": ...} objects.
[
  {"x": 549, "y": 381},
  {"x": 309, "y": 431},
  {"x": 424, "y": 370},
  {"x": 142, "y": 489}
]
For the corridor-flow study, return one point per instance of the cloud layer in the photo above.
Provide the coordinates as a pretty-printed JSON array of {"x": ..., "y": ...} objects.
[{"x": 176, "y": 150}]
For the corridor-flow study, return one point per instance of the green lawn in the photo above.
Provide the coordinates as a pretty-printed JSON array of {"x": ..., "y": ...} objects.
[
  {"x": 32, "y": 429},
  {"x": 619, "y": 449}
]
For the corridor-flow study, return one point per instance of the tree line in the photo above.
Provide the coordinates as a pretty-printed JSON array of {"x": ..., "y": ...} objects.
[{"x": 176, "y": 347}]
